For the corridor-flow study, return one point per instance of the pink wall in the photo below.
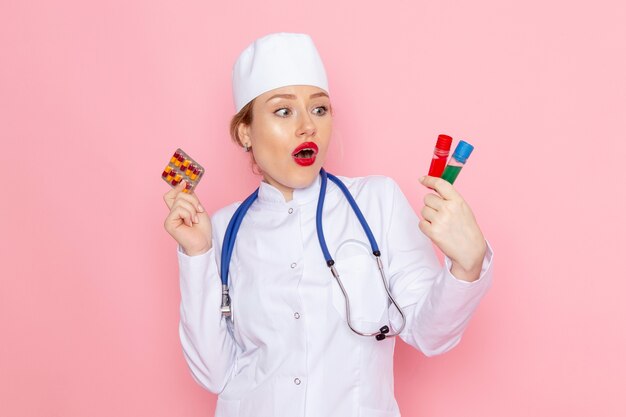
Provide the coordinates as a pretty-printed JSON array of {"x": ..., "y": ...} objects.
[{"x": 95, "y": 96}]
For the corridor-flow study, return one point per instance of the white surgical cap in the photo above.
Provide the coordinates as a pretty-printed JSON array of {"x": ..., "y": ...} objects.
[{"x": 276, "y": 60}]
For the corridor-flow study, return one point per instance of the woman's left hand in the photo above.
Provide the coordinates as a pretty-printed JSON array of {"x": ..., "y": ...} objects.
[{"x": 449, "y": 222}]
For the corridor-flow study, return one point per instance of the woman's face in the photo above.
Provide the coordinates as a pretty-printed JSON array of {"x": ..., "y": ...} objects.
[{"x": 286, "y": 120}]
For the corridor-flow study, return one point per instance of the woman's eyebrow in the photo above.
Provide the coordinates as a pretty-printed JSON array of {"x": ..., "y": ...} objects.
[
  {"x": 292, "y": 97},
  {"x": 289, "y": 96}
]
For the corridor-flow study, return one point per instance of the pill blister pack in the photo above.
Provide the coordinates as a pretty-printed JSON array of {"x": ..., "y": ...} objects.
[{"x": 182, "y": 167}]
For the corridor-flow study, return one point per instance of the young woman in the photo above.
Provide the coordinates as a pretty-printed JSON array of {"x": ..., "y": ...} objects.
[{"x": 284, "y": 296}]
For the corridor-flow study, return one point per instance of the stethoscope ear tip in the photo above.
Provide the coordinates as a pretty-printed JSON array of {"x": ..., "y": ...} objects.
[{"x": 383, "y": 333}]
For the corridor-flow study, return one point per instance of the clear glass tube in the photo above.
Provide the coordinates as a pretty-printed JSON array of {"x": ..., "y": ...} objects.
[{"x": 457, "y": 162}]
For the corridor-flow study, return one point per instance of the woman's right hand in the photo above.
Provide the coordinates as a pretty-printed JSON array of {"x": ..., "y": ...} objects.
[{"x": 187, "y": 222}]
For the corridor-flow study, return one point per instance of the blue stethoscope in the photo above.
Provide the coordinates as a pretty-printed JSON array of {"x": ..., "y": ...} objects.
[{"x": 233, "y": 228}]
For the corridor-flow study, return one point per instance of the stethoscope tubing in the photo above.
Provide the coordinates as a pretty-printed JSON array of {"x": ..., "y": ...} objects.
[
  {"x": 383, "y": 331},
  {"x": 237, "y": 218}
]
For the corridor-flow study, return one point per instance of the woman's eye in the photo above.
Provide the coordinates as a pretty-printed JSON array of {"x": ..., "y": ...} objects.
[
  {"x": 324, "y": 110},
  {"x": 280, "y": 110}
]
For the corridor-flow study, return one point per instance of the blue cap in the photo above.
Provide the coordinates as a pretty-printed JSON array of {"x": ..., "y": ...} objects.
[{"x": 462, "y": 151}]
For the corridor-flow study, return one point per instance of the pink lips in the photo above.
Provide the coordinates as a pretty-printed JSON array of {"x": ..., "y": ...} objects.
[{"x": 305, "y": 161}]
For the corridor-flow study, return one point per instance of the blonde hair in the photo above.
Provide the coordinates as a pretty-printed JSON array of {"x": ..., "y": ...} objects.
[{"x": 244, "y": 116}]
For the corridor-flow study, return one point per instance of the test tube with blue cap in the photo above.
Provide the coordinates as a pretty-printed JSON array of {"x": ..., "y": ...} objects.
[{"x": 457, "y": 162}]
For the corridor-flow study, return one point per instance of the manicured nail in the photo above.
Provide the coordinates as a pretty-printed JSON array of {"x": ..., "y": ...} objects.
[
  {"x": 200, "y": 209},
  {"x": 195, "y": 218},
  {"x": 422, "y": 179}
]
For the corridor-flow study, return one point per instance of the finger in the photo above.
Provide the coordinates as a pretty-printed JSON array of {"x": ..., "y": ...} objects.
[
  {"x": 177, "y": 193},
  {"x": 429, "y": 214},
  {"x": 187, "y": 206},
  {"x": 443, "y": 187},
  {"x": 170, "y": 196},
  {"x": 184, "y": 214},
  {"x": 192, "y": 199},
  {"x": 433, "y": 201},
  {"x": 426, "y": 227}
]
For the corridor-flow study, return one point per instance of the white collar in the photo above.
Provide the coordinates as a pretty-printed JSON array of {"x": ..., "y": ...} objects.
[{"x": 270, "y": 194}]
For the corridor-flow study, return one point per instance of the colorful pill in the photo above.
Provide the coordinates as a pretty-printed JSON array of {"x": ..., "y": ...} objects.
[{"x": 180, "y": 167}]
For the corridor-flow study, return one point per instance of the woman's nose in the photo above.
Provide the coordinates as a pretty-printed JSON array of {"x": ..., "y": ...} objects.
[{"x": 307, "y": 126}]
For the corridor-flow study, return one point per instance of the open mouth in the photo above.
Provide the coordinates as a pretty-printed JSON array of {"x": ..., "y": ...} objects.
[{"x": 305, "y": 153}]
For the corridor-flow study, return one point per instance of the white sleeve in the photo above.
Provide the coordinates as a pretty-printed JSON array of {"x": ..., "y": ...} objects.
[
  {"x": 436, "y": 304},
  {"x": 209, "y": 347}
]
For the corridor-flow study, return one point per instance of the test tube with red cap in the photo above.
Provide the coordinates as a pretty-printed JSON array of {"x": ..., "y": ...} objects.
[{"x": 440, "y": 155}]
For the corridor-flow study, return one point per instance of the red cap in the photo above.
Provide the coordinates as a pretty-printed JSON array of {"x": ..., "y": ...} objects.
[{"x": 444, "y": 142}]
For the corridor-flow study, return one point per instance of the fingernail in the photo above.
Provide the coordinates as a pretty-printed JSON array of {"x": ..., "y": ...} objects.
[
  {"x": 422, "y": 179},
  {"x": 195, "y": 218},
  {"x": 200, "y": 209}
]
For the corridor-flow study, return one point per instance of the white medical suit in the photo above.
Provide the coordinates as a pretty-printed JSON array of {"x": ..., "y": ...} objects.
[{"x": 290, "y": 352}]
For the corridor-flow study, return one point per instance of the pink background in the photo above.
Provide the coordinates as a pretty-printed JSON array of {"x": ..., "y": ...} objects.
[{"x": 96, "y": 96}]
